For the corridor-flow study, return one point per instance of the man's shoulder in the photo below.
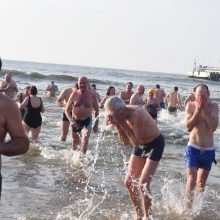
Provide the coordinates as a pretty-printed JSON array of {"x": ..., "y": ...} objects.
[
  {"x": 213, "y": 105},
  {"x": 5, "y": 101}
]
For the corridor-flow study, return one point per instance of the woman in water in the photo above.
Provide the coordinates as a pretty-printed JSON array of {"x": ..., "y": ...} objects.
[
  {"x": 151, "y": 104},
  {"x": 32, "y": 120}
]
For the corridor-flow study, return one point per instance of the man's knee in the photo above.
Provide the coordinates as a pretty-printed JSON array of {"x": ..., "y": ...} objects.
[
  {"x": 191, "y": 181},
  {"x": 129, "y": 182},
  {"x": 144, "y": 185}
]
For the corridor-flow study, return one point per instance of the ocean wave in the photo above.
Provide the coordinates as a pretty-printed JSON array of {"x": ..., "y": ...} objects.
[{"x": 20, "y": 75}]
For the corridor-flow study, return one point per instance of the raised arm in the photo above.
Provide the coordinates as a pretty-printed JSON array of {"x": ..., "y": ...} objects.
[
  {"x": 24, "y": 103},
  {"x": 191, "y": 116},
  {"x": 212, "y": 118}
]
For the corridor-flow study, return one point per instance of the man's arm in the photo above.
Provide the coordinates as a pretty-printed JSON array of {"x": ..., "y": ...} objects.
[
  {"x": 68, "y": 107},
  {"x": 19, "y": 143},
  {"x": 24, "y": 103},
  {"x": 179, "y": 101},
  {"x": 133, "y": 100},
  {"x": 166, "y": 99},
  {"x": 122, "y": 135},
  {"x": 187, "y": 100},
  {"x": 96, "y": 109},
  {"x": 212, "y": 119},
  {"x": 61, "y": 98},
  {"x": 191, "y": 117}
]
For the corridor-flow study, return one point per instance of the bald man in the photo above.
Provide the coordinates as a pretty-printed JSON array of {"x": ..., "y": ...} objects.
[
  {"x": 81, "y": 103},
  {"x": 201, "y": 120},
  {"x": 8, "y": 86},
  {"x": 136, "y": 98}
]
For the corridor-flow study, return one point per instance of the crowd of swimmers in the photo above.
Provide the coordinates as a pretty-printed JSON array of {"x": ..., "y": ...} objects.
[{"x": 134, "y": 119}]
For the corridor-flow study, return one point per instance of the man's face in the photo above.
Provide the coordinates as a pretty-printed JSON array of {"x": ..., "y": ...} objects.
[
  {"x": 201, "y": 95},
  {"x": 129, "y": 87},
  {"x": 114, "y": 116},
  {"x": 8, "y": 78},
  {"x": 82, "y": 83},
  {"x": 141, "y": 90}
]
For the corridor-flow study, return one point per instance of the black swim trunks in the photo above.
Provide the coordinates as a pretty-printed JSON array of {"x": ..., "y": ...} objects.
[
  {"x": 80, "y": 124},
  {"x": 153, "y": 150},
  {"x": 64, "y": 118},
  {"x": 172, "y": 109}
]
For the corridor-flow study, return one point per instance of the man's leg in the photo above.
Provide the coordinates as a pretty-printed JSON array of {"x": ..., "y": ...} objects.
[
  {"x": 135, "y": 167},
  {"x": 202, "y": 176},
  {"x": 146, "y": 176},
  {"x": 75, "y": 140},
  {"x": 85, "y": 139},
  {"x": 64, "y": 130},
  {"x": 191, "y": 174}
]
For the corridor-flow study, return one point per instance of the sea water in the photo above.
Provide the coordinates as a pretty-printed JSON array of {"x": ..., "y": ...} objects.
[{"x": 52, "y": 182}]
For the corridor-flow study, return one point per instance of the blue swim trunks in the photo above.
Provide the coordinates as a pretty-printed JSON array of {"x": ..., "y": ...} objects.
[
  {"x": 153, "y": 150},
  {"x": 199, "y": 157}
]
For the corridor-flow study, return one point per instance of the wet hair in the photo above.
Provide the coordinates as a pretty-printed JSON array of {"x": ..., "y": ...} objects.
[
  {"x": 109, "y": 89},
  {"x": 114, "y": 103},
  {"x": 175, "y": 88},
  {"x": 157, "y": 86},
  {"x": 93, "y": 85},
  {"x": 33, "y": 90},
  {"x": 202, "y": 85}
]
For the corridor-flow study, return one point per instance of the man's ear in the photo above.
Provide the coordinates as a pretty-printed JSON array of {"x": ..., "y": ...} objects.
[{"x": 208, "y": 93}]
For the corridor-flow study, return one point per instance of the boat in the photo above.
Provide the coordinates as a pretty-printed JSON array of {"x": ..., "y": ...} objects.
[{"x": 205, "y": 72}]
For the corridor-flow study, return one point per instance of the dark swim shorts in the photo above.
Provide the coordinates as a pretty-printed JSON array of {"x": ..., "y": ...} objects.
[
  {"x": 80, "y": 124},
  {"x": 199, "y": 157},
  {"x": 64, "y": 117},
  {"x": 172, "y": 109},
  {"x": 153, "y": 150},
  {"x": 162, "y": 105}
]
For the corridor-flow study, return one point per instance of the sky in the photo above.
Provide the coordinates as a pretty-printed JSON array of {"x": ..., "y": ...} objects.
[{"x": 150, "y": 35}]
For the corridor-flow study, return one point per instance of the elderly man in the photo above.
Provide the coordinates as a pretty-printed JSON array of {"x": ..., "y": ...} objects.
[
  {"x": 201, "y": 120},
  {"x": 81, "y": 103},
  {"x": 127, "y": 93},
  {"x": 10, "y": 122},
  {"x": 8, "y": 86},
  {"x": 136, "y": 127},
  {"x": 136, "y": 98}
]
